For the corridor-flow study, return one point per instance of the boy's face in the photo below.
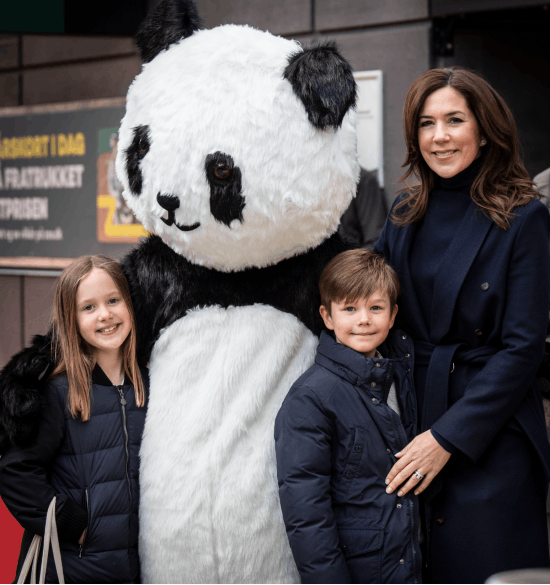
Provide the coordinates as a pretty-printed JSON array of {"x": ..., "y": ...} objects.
[{"x": 362, "y": 325}]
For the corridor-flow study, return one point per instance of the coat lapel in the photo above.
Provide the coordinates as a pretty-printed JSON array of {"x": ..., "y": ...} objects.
[{"x": 454, "y": 267}]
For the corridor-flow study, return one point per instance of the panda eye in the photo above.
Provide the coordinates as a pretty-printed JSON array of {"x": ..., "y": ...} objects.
[
  {"x": 143, "y": 147},
  {"x": 222, "y": 171}
]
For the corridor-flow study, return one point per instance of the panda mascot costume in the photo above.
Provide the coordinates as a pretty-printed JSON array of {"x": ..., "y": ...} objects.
[{"x": 238, "y": 152}]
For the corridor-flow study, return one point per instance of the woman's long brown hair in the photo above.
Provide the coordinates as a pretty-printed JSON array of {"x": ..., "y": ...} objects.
[
  {"x": 71, "y": 353},
  {"x": 502, "y": 183}
]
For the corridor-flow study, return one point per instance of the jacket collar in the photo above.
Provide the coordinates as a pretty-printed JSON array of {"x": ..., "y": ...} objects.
[
  {"x": 351, "y": 365},
  {"x": 100, "y": 377}
]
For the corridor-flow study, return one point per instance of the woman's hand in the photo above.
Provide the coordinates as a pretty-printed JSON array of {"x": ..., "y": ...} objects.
[{"x": 424, "y": 455}]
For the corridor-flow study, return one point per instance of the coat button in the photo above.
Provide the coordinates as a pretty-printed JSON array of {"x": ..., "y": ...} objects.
[
  {"x": 399, "y": 505},
  {"x": 407, "y": 355},
  {"x": 478, "y": 332},
  {"x": 408, "y": 370},
  {"x": 440, "y": 521},
  {"x": 404, "y": 337},
  {"x": 377, "y": 365},
  {"x": 374, "y": 400},
  {"x": 349, "y": 474},
  {"x": 358, "y": 448},
  {"x": 388, "y": 450},
  {"x": 373, "y": 384},
  {"x": 485, "y": 286},
  {"x": 402, "y": 561}
]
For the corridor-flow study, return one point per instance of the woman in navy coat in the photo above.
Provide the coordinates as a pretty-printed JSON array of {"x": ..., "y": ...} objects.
[{"x": 469, "y": 242}]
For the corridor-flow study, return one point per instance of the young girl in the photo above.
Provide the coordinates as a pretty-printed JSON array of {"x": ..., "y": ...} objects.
[{"x": 86, "y": 449}]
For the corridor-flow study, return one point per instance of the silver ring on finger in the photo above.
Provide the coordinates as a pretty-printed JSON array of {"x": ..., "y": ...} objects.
[{"x": 418, "y": 475}]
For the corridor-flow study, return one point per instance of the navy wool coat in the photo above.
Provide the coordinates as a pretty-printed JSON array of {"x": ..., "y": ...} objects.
[
  {"x": 92, "y": 468},
  {"x": 335, "y": 439},
  {"x": 476, "y": 361}
]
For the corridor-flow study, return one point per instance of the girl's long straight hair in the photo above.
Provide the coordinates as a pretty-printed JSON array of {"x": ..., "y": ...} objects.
[
  {"x": 502, "y": 183},
  {"x": 72, "y": 355}
]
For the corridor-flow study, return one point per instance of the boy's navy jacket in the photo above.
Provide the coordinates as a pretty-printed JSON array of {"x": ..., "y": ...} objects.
[
  {"x": 92, "y": 468},
  {"x": 335, "y": 439}
]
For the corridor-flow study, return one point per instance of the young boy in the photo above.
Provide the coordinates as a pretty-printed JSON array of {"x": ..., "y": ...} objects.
[{"x": 338, "y": 429}]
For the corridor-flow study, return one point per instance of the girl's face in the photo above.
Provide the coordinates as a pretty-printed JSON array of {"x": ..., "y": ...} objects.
[
  {"x": 102, "y": 316},
  {"x": 448, "y": 133}
]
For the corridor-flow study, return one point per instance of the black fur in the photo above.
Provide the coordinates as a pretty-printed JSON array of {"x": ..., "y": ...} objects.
[
  {"x": 141, "y": 143},
  {"x": 165, "y": 286},
  {"x": 21, "y": 399},
  {"x": 169, "y": 22},
  {"x": 324, "y": 81},
  {"x": 226, "y": 201}
]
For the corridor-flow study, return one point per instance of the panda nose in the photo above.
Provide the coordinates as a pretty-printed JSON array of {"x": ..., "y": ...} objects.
[{"x": 168, "y": 202}]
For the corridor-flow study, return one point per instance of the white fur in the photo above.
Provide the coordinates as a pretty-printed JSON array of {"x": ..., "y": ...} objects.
[
  {"x": 223, "y": 90},
  {"x": 210, "y": 509}
]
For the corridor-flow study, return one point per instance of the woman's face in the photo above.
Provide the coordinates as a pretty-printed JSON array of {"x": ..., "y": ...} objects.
[{"x": 448, "y": 133}]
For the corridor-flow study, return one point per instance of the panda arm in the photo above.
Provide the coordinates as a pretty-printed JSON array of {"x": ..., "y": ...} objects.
[
  {"x": 145, "y": 298},
  {"x": 157, "y": 277},
  {"x": 22, "y": 383}
]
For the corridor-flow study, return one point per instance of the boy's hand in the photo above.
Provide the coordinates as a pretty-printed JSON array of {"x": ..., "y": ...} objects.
[{"x": 424, "y": 455}]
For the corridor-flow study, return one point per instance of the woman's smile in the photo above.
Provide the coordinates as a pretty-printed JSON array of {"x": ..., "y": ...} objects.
[{"x": 448, "y": 133}]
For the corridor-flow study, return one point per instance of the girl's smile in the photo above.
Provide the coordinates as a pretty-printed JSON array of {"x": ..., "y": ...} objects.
[{"x": 102, "y": 316}]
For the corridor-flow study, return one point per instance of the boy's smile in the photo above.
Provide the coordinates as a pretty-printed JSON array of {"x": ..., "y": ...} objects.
[{"x": 362, "y": 325}]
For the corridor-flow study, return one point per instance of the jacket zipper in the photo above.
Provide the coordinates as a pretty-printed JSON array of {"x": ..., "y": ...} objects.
[
  {"x": 414, "y": 527},
  {"x": 87, "y": 527},
  {"x": 403, "y": 439},
  {"x": 126, "y": 440}
]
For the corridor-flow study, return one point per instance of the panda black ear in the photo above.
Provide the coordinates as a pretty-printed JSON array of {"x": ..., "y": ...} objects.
[
  {"x": 324, "y": 81},
  {"x": 169, "y": 22}
]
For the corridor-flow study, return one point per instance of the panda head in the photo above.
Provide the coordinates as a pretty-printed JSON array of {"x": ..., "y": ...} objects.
[{"x": 238, "y": 147}]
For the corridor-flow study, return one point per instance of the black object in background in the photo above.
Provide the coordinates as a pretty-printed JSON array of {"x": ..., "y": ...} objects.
[{"x": 73, "y": 17}]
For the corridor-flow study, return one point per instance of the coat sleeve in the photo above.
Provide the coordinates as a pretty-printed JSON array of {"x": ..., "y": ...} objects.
[
  {"x": 24, "y": 485},
  {"x": 303, "y": 448},
  {"x": 495, "y": 393}
]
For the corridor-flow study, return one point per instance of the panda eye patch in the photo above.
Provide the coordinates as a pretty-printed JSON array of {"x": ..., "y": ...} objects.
[
  {"x": 138, "y": 148},
  {"x": 226, "y": 199},
  {"x": 222, "y": 171}
]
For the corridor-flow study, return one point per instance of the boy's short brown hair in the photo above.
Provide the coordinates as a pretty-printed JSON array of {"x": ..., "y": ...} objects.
[{"x": 357, "y": 274}]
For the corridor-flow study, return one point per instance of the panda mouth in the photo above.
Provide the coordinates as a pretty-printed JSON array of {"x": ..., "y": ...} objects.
[{"x": 171, "y": 220}]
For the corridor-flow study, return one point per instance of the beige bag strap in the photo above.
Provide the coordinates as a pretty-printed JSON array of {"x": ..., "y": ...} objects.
[
  {"x": 50, "y": 536},
  {"x": 35, "y": 561},
  {"x": 32, "y": 557}
]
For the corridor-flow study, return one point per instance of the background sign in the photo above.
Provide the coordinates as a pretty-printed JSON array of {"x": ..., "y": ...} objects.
[
  {"x": 59, "y": 195},
  {"x": 369, "y": 122}
]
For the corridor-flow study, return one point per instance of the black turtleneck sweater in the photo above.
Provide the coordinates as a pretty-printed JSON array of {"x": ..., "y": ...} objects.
[{"x": 446, "y": 208}]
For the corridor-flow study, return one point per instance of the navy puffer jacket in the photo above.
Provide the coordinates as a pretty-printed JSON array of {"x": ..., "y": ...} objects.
[
  {"x": 92, "y": 467},
  {"x": 335, "y": 439}
]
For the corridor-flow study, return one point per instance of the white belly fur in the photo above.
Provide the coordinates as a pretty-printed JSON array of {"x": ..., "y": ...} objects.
[{"x": 210, "y": 509}]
